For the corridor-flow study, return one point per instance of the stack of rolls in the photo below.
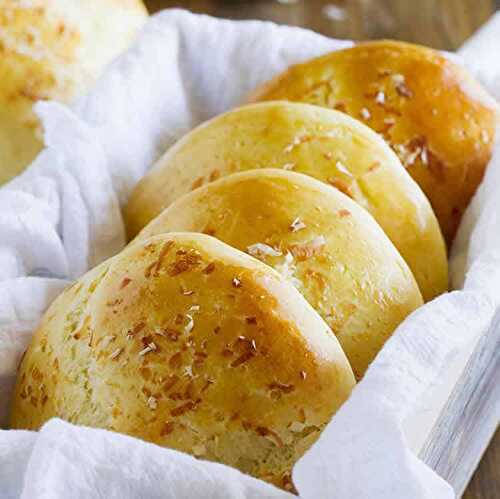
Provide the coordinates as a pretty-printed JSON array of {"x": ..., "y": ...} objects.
[{"x": 274, "y": 250}]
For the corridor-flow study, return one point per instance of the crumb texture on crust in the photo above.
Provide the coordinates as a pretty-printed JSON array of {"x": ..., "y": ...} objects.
[
  {"x": 327, "y": 145},
  {"x": 437, "y": 119},
  {"x": 185, "y": 342},
  {"x": 328, "y": 247},
  {"x": 53, "y": 50}
]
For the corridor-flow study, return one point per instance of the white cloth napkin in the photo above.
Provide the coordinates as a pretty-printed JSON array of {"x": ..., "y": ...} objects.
[{"x": 62, "y": 217}]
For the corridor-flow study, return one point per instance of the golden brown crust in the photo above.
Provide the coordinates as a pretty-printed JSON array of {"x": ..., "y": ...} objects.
[
  {"x": 327, "y": 145},
  {"x": 53, "y": 51},
  {"x": 320, "y": 240},
  {"x": 438, "y": 120},
  {"x": 188, "y": 343}
]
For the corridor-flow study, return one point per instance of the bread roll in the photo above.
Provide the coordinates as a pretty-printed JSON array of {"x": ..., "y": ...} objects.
[
  {"x": 327, "y": 145},
  {"x": 185, "y": 342},
  {"x": 438, "y": 120},
  {"x": 53, "y": 50},
  {"x": 320, "y": 240}
]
